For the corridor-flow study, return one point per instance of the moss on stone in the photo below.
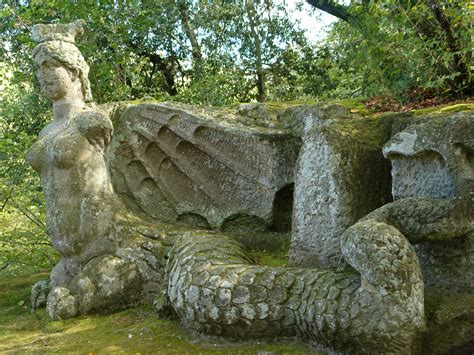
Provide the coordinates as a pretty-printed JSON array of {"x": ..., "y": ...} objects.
[
  {"x": 115, "y": 109},
  {"x": 355, "y": 106},
  {"x": 374, "y": 130},
  {"x": 272, "y": 114},
  {"x": 444, "y": 109},
  {"x": 450, "y": 325},
  {"x": 136, "y": 330},
  {"x": 270, "y": 258},
  {"x": 268, "y": 116}
]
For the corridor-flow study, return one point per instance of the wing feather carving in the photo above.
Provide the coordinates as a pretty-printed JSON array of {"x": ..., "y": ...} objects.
[{"x": 175, "y": 164}]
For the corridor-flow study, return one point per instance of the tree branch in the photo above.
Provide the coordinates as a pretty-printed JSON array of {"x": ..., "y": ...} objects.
[
  {"x": 30, "y": 216},
  {"x": 164, "y": 65},
  {"x": 7, "y": 198},
  {"x": 452, "y": 40},
  {"x": 333, "y": 8},
  {"x": 9, "y": 262},
  {"x": 189, "y": 30},
  {"x": 16, "y": 242}
]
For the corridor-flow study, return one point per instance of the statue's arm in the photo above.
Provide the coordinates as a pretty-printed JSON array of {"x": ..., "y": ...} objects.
[
  {"x": 428, "y": 220},
  {"x": 96, "y": 127}
]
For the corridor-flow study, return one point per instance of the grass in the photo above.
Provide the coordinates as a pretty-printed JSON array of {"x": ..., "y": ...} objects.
[
  {"x": 24, "y": 246},
  {"x": 134, "y": 331}
]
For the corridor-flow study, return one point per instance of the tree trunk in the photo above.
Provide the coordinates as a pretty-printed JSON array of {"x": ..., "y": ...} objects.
[
  {"x": 191, "y": 34},
  {"x": 261, "y": 80},
  {"x": 166, "y": 69},
  {"x": 453, "y": 44}
]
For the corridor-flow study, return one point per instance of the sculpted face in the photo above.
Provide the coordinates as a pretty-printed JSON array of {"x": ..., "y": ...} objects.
[{"x": 55, "y": 80}]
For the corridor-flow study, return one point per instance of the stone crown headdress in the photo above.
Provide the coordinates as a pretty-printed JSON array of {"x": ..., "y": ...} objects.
[{"x": 60, "y": 32}]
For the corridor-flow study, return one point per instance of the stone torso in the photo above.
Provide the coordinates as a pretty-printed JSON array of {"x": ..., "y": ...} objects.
[{"x": 75, "y": 181}]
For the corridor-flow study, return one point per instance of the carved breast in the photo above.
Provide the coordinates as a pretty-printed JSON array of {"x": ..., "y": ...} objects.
[
  {"x": 35, "y": 153},
  {"x": 59, "y": 146}
]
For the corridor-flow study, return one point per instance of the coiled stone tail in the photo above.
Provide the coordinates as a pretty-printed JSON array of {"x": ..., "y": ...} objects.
[{"x": 215, "y": 288}]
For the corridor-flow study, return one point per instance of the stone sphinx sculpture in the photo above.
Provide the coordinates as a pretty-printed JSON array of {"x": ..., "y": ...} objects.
[
  {"x": 100, "y": 260},
  {"x": 366, "y": 293}
]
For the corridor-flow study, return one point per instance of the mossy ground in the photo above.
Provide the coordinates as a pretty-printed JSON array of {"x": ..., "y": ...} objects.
[
  {"x": 270, "y": 258},
  {"x": 135, "y": 331}
]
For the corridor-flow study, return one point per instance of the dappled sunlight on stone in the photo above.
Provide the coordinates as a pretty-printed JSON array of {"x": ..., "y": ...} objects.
[
  {"x": 365, "y": 235},
  {"x": 102, "y": 266}
]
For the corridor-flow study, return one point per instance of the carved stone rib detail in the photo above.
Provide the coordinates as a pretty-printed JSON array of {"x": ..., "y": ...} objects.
[{"x": 200, "y": 165}]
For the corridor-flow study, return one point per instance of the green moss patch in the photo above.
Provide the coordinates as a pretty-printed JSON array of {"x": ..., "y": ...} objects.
[
  {"x": 444, "y": 109},
  {"x": 374, "y": 130},
  {"x": 356, "y": 106},
  {"x": 137, "y": 331},
  {"x": 266, "y": 258}
]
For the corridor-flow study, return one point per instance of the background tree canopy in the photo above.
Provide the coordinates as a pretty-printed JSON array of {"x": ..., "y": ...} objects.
[
  {"x": 408, "y": 44},
  {"x": 219, "y": 53}
]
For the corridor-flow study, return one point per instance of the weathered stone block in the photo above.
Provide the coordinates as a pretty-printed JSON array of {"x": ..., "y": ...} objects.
[
  {"x": 341, "y": 176},
  {"x": 450, "y": 318}
]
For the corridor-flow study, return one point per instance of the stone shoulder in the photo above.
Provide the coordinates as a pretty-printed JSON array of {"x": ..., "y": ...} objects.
[
  {"x": 93, "y": 124},
  {"x": 93, "y": 118}
]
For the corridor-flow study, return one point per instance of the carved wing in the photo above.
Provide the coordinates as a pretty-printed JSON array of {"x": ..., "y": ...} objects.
[{"x": 178, "y": 165}]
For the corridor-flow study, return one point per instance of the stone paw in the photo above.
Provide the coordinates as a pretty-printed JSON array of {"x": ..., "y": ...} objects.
[
  {"x": 39, "y": 294},
  {"x": 61, "y": 304}
]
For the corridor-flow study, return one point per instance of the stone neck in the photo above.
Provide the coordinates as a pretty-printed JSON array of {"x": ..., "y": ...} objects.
[{"x": 63, "y": 110}]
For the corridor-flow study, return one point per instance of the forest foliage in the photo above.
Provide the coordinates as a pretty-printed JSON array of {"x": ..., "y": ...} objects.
[{"x": 218, "y": 53}]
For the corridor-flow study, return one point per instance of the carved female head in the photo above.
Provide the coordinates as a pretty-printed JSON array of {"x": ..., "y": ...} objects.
[{"x": 56, "y": 55}]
